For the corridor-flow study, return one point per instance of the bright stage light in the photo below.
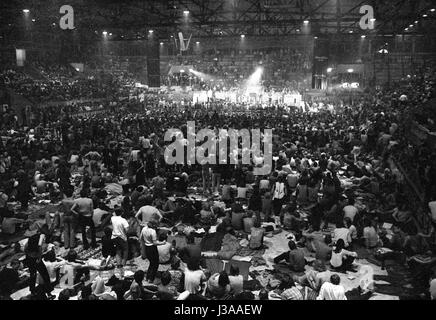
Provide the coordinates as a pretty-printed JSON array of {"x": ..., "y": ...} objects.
[
  {"x": 306, "y": 21},
  {"x": 363, "y": 36},
  {"x": 186, "y": 12},
  {"x": 329, "y": 70},
  {"x": 350, "y": 70},
  {"x": 182, "y": 71},
  {"x": 105, "y": 33},
  {"x": 242, "y": 36},
  {"x": 191, "y": 70},
  {"x": 26, "y": 10},
  {"x": 198, "y": 42},
  {"x": 150, "y": 31},
  {"x": 253, "y": 82}
]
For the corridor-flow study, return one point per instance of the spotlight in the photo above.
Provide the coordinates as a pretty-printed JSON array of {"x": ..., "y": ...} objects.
[
  {"x": 186, "y": 12},
  {"x": 351, "y": 31},
  {"x": 26, "y": 10},
  {"x": 191, "y": 70},
  {"x": 306, "y": 21},
  {"x": 242, "y": 36},
  {"x": 372, "y": 19},
  {"x": 433, "y": 10},
  {"x": 150, "y": 31},
  {"x": 198, "y": 42},
  {"x": 329, "y": 70},
  {"x": 105, "y": 33},
  {"x": 298, "y": 30},
  {"x": 182, "y": 71},
  {"x": 350, "y": 70},
  {"x": 363, "y": 36},
  {"x": 161, "y": 43},
  {"x": 33, "y": 20},
  {"x": 110, "y": 34},
  {"x": 411, "y": 25},
  {"x": 315, "y": 38},
  {"x": 424, "y": 16},
  {"x": 416, "y": 22}
]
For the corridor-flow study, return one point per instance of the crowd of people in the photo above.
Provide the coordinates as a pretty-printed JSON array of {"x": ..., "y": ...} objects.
[
  {"x": 333, "y": 189},
  {"x": 284, "y": 68}
]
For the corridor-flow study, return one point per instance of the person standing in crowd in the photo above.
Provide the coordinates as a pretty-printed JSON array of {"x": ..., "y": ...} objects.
[
  {"x": 150, "y": 243},
  {"x": 83, "y": 208},
  {"x": 24, "y": 190},
  {"x": 279, "y": 192},
  {"x": 69, "y": 220},
  {"x": 33, "y": 250},
  {"x": 119, "y": 237}
]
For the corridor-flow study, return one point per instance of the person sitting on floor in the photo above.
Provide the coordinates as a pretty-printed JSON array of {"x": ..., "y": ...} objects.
[
  {"x": 191, "y": 251},
  {"x": 176, "y": 275},
  {"x": 257, "y": 234},
  {"x": 370, "y": 235},
  {"x": 342, "y": 260},
  {"x": 315, "y": 278},
  {"x": 294, "y": 257},
  {"x": 218, "y": 285},
  {"x": 332, "y": 290},
  {"x": 288, "y": 291},
  {"x": 165, "y": 290},
  {"x": 236, "y": 280}
]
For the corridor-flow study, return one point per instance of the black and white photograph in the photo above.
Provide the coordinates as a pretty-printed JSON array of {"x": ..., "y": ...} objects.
[{"x": 225, "y": 155}]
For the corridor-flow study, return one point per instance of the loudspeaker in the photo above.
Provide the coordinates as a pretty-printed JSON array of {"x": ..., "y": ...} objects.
[{"x": 153, "y": 63}]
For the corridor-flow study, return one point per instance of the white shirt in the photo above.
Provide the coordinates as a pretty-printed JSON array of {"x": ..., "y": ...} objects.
[
  {"x": 120, "y": 226},
  {"x": 337, "y": 258},
  {"x": 149, "y": 236},
  {"x": 350, "y": 212},
  {"x": 193, "y": 280},
  {"x": 329, "y": 291}
]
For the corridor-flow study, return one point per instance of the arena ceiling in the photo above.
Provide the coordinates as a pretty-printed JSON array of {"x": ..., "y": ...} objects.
[{"x": 132, "y": 18}]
